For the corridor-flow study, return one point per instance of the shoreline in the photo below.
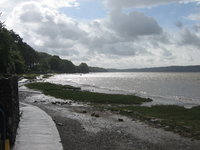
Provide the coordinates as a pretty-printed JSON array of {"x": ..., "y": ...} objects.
[
  {"x": 169, "y": 117},
  {"x": 74, "y": 127}
]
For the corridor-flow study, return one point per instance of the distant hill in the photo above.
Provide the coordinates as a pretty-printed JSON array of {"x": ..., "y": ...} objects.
[
  {"x": 97, "y": 69},
  {"x": 161, "y": 69}
]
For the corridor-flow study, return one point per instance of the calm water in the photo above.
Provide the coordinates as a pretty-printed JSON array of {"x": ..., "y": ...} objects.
[{"x": 163, "y": 88}]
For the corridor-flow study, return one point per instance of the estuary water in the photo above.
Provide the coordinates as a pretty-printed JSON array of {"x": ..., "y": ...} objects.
[{"x": 164, "y": 88}]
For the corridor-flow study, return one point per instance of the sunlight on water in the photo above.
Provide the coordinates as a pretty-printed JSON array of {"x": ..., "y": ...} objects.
[{"x": 164, "y": 88}]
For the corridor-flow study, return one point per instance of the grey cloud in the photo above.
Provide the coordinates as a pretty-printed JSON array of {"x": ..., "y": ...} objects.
[
  {"x": 179, "y": 24},
  {"x": 196, "y": 28},
  {"x": 167, "y": 54},
  {"x": 189, "y": 38},
  {"x": 124, "y": 49},
  {"x": 119, "y": 4},
  {"x": 31, "y": 13},
  {"x": 31, "y": 17},
  {"x": 60, "y": 30},
  {"x": 133, "y": 24},
  {"x": 121, "y": 34}
]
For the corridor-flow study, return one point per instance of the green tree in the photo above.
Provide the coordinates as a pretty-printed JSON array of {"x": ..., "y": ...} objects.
[
  {"x": 68, "y": 67},
  {"x": 83, "y": 68},
  {"x": 30, "y": 56},
  {"x": 18, "y": 61},
  {"x": 55, "y": 63},
  {"x": 6, "y": 63}
]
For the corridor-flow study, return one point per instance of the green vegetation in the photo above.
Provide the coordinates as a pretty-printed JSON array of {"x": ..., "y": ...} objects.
[
  {"x": 73, "y": 93},
  {"x": 174, "y": 118},
  {"x": 17, "y": 56},
  {"x": 30, "y": 76}
]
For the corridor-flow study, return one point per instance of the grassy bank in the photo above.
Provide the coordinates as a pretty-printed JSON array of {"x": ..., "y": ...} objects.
[
  {"x": 73, "y": 93},
  {"x": 186, "y": 122},
  {"x": 30, "y": 76}
]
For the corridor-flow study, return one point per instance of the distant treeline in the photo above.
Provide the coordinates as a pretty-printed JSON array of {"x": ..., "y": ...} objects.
[
  {"x": 17, "y": 56},
  {"x": 161, "y": 69}
]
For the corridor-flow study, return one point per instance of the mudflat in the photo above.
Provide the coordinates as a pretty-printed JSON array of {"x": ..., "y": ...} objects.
[{"x": 84, "y": 127}]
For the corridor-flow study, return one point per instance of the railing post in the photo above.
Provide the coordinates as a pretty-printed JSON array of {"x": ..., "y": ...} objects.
[{"x": 2, "y": 128}]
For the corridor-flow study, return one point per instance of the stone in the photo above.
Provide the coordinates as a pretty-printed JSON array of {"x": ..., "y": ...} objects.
[
  {"x": 84, "y": 111},
  {"x": 120, "y": 120}
]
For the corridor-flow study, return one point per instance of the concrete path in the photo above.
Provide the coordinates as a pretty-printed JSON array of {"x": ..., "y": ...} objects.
[{"x": 36, "y": 131}]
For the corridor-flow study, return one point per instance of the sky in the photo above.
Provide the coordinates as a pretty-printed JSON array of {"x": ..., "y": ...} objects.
[{"x": 109, "y": 33}]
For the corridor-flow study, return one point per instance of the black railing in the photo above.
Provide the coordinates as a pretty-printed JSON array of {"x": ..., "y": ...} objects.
[{"x": 2, "y": 129}]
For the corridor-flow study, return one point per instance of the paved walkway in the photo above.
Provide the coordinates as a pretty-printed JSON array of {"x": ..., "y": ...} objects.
[{"x": 36, "y": 131}]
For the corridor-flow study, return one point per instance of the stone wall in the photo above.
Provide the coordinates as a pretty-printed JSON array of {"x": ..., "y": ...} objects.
[{"x": 9, "y": 102}]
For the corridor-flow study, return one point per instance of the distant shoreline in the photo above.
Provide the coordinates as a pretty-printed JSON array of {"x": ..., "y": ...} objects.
[{"x": 195, "y": 68}]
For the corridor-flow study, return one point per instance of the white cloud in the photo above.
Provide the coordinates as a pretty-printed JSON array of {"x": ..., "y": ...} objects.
[
  {"x": 119, "y": 40},
  {"x": 194, "y": 17}
]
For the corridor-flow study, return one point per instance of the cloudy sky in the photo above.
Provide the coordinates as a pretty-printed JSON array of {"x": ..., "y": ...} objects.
[{"x": 110, "y": 33}]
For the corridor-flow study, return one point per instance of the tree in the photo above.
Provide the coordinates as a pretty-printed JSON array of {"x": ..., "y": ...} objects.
[
  {"x": 1, "y": 23},
  {"x": 83, "y": 68},
  {"x": 18, "y": 61},
  {"x": 68, "y": 67},
  {"x": 6, "y": 64},
  {"x": 55, "y": 63},
  {"x": 30, "y": 56}
]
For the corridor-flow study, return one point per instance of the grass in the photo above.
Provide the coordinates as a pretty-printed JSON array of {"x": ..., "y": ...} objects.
[
  {"x": 74, "y": 93},
  {"x": 30, "y": 76},
  {"x": 184, "y": 121}
]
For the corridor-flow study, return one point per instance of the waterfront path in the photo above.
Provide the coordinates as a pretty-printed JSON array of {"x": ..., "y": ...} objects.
[{"x": 36, "y": 130}]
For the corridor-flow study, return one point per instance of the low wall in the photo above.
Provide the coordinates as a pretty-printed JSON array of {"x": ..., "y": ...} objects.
[{"x": 9, "y": 102}]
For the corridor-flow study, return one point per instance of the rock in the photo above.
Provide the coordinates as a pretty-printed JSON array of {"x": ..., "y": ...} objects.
[
  {"x": 96, "y": 115},
  {"x": 84, "y": 111},
  {"x": 120, "y": 120},
  {"x": 93, "y": 114},
  {"x": 59, "y": 124},
  {"x": 54, "y": 103}
]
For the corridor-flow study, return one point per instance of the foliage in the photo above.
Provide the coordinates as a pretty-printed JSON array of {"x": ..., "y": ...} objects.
[
  {"x": 10, "y": 58},
  {"x": 74, "y": 93},
  {"x": 83, "y": 68},
  {"x": 30, "y": 76}
]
